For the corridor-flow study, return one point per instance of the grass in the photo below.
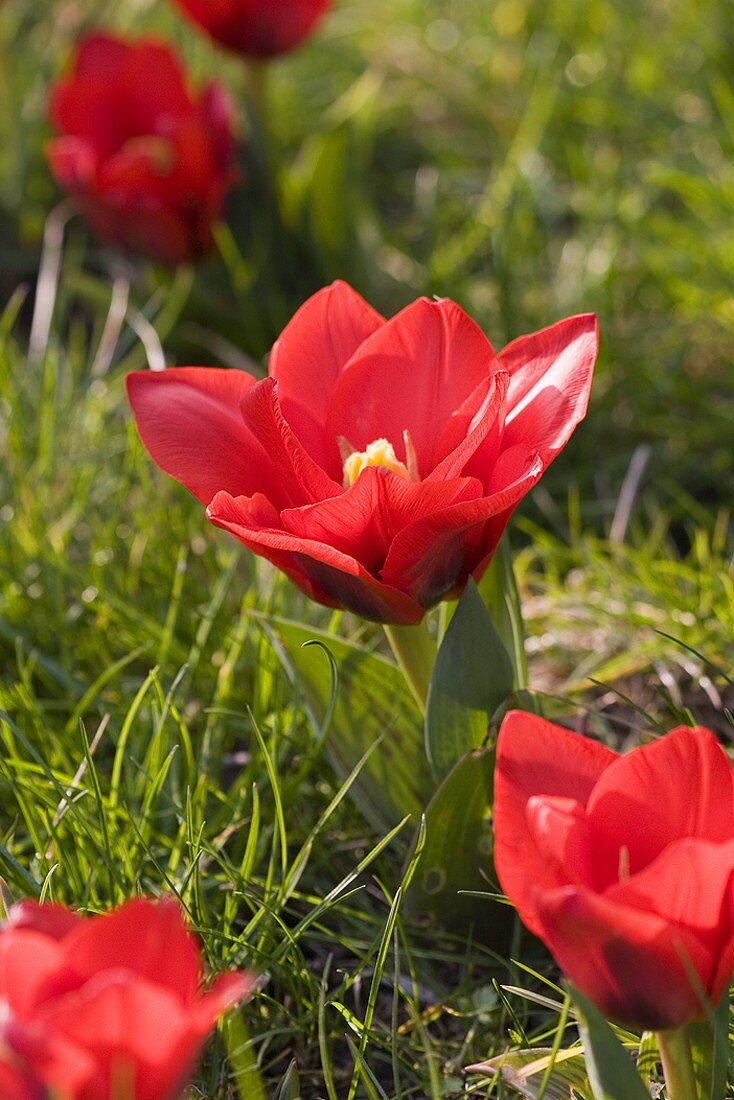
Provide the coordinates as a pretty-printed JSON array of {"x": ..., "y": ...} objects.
[{"x": 529, "y": 161}]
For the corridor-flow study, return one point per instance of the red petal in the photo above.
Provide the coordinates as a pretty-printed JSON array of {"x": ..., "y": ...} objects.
[
  {"x": 17, "y": 1084},
  {"x": 560, "y": 829},
  {"x": 689, "y": 884},
  {"x": 363, "y": 521},
  {"x": 476, "y": 454},
  {"x": 412, "y": 373},
  {"x": 256, "y": 28},
  {"x": 434, "y": 556},
  {"x": 217, "y": 120},
  {"x": 86, "y": 108},
  {"x": 154, "y": 81},
  {"x": 100, "y": 55},
  {"x": 536, "y": 758},
  {"x": 148, "y": 938},
  {"x": 134, "y": 172},
  {"x": 301, "y": 479},
  {"x": 551, "y": 374},
  {"x": 325, "y": 574},
  {"x": 680, "y": 786},
  {"x": 73, "y": 163},
  {"x": 190, "y": 423},
  {"x": 724, "y": 964},
  {"x": 32, "y": 965},
  {"x": 51, "y": 920},
  {"x": 308, "y": 357},
  {"x": 59, "y": 1064},
  {"x": 628, "y": 963},
  {"x": 135, "y": 1031}
]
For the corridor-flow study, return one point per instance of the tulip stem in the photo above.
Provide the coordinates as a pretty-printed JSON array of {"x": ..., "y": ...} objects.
[
  {"x": 415, "y": 652},
  {"x": 262, "y": 163},
  {"x": 677, "y": 1059},
  {"x": 255, "y": 80}
]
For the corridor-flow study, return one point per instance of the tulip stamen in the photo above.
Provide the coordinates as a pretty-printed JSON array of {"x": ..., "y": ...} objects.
[
  {"x": 345, "y": 449},
  {"x": 411, "y": 457},
  {"x": 623, "y": 870},
  {"x": 378, "y": 453}
]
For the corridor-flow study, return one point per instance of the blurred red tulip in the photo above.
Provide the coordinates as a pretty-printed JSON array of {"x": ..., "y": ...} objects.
[
  {"x": 623, "y": 865},
  {"x": 256, "y": 28},
  {"x": 104, "y": 1007},
  {"x": 379, "y": 463},
  {"x": 148, "y": 164}
]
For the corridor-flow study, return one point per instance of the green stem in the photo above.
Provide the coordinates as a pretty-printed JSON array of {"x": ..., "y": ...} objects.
[
  {"x": 415, "y": 652},
  {"x": 261, "y": 160},
  {"x": 677, "y": 1059}
]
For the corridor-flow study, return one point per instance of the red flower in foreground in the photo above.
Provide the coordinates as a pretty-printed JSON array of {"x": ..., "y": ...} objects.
[
  {"x": 148, "y": 164},
  {"x": 623, "y": 865},
  {"x": 256, "y": 28},
  {"x": 104, "y": 1007},
  {"x": 379, "y": 463}
]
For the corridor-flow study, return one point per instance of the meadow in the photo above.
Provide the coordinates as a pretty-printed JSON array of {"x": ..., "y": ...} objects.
[{"x": 528, "y": 161}]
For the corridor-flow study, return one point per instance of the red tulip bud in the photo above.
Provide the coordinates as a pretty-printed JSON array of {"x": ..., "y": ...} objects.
[
  {"x": 106, "y": 1006},
  {"x": 256, "y": 28},
  {"x": 148, "y": 163}
]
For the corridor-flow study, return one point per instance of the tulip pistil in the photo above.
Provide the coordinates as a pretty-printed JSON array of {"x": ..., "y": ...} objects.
[
  {"x": 624, "y": 863},
  {"x": 378, "y": 453}
]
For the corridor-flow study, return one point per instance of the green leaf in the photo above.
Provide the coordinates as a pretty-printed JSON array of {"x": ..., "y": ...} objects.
[
  {"x": 457, "y": 856},
  {"x": 369, "y": 701},
  {"x": 710, "y": 1049},
  {"x": 242, "y": 1058},
  {"x": 472, "y": 676},
  {"x": 289, "y": 1087},
  {"x": 524, "y": 1071},
  {"x": 612, "y": 1073},
  {"x": 498, "y": 589}
]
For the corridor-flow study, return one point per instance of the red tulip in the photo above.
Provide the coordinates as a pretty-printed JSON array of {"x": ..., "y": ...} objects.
[
  {"x": 623, "y": 865},
  {"x": 379, "y": 463},
  {"x": 148, "y": 164},
  {"x": 109, "y": 1006},
  {"x": 256, "y": 28}
]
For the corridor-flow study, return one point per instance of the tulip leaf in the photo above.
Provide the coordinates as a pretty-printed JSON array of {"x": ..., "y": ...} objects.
[
  {"x": 457, "y": 856},
  {"x": 612, "y": 1073},
  {"x": 710, "y": 1048},
  {"x": 524, "y": 1071},
  {"x": 472, "y": 676},
  {"x": 498, "y": 589},
  {"x": 243, "y": 1060},
  {"x": 289, "y": 1087},
  {"x": 368, "y": 701}
]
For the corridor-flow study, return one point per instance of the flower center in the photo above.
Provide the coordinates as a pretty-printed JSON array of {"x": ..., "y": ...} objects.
[
  {"x": 158, "y": 151},
  {"x": 378, "y": 453}
]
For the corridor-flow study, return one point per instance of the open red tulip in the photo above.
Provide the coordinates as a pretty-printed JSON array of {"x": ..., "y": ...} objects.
[
  {"x": 148, "y": 163},
  {"x": 379, "y": 463},
  {"x": 104, "y": 1007},
  {"x": 623, "y": 865},
  {"x": 256, "y": 28}
]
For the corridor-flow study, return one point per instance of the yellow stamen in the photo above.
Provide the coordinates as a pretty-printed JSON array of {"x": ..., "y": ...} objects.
[{"x": 379, "y": 453}]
